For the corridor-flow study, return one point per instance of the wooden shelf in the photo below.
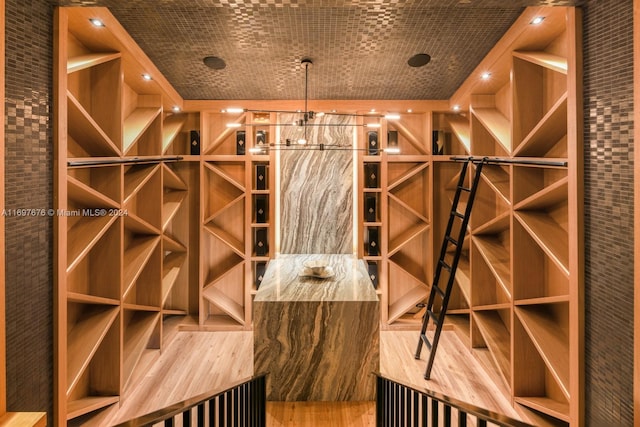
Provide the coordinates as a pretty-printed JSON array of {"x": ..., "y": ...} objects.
[
  {"x": 548, "y": 234},
  {"x": 498, "y": 179},
  {"x": 496, "y": 225},
  {"x": 407, "y": 207},
  {"x": 172, "y": 200},
  {"x": 171, "y": 127},
  {"x": 224, "y": 208},
  {"x": 544, "y": 59},
  {"x": 419, "y": 167},
  {"x": 136, "y": 124},
  {"x": 135, "y": 178},
  {"x": 497, "y": 339},
  {"x": 171, "y": 179},
  {"x": 551, "y": 341},
  {"x": 87, "y": 196},
  {"x": 83, "y": 235},
  {"x": 407, "y": 302},
  {"x": 559, "y": 410},
  {"x": 551, "y": 195},
  {"x": 398, "y": 241},
  {"x": 82, "y": 62},
  {"x": 224, "y": 303},
  {"x": 460, "y": 127},
  {"x": 497, "y": 125},
  {"x": 134, "y": 224},
  {"x": 87, "y": 133},
  {"x": 236, "y": 177},
  {"x": 547, "y": 133},
  {"x": 463, "y": 278},
  {"x": 171, "y": 266},
  {"x": 79, "y": 407},
  {"x": 543, "y": 300},
  {"x": 75, "y": 297},
  {"x": 497, "y": 259},
  {"x": 136, "y": 256},
  {"x": 416, "y": 270},
  {"x": 84, "y": 338},
  {"x": 173, "y": 245},
  {"x": 137, "y": 333},
  {"x": 227, "y": 238}
]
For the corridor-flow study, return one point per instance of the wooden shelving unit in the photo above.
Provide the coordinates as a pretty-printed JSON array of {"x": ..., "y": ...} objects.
[
  {"x": 191, "y": 237},
  {"x": 235, "y": 237},
  {"x": 401, "y": 190},
  {"x": 121, "y": 228},
  {"x": 522, "y": 280}
]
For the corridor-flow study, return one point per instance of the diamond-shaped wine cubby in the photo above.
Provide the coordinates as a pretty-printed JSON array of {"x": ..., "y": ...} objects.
[
  {"x": 93, "y": 369},
  {"x": 141, "y": 331},
  {"x": 94, "y": 126},
  {"x": 408, "y": 135},
  {"x": 223, "y": 186},
  {"x": 491, "y": 329},
  {"x": 540, "y": 104},
  {"x": 542, "y": 358},
  {"x": 406, "y": 292}
]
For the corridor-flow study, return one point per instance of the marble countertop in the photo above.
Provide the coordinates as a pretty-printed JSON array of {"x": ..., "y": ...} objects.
[{"x": 283, "y": 280}]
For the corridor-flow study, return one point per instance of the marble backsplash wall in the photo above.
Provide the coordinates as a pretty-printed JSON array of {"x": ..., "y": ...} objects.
[{"x": 316, "y": 188}]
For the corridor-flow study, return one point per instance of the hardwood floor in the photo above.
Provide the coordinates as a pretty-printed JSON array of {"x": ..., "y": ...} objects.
[
  {"x": 197, "y": 362},
  {"x": 321, "y": 414}
]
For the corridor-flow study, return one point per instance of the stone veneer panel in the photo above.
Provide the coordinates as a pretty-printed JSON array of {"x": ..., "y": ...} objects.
[
  {"x": 316, "y": 188},
  {"x": 319, "y": 339}
]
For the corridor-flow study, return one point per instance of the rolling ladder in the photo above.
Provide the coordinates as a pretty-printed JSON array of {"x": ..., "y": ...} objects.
[{"x": 447, "y": 242}]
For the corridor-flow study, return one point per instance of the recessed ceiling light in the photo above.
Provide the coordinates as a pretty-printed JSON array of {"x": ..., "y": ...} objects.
[
  {"x": 485, "y": 75},
  {"x": 214, "y": 62},
  {"x": 537, "y": 20},
  {"x": 409, "y": 110},
  {"x": 96, "y": 22},
  {"x": 176, "y": 109},
  {"x": 147, "y": 77},
  {"x": 419, "y": 60},
  {"x": 456, "y": 107}
]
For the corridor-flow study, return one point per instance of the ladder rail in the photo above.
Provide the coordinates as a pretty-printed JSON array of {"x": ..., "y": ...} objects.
[
  {"x": 443, "y": 252},
  {"x": 446, "y": 241}
]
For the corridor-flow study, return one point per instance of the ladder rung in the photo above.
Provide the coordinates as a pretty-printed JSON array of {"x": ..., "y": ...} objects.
[
  {"x": 458, "y": 214},
  {"x": 438, "y": 290},
  {"x": 445, "y": 266},
  {"x": 453, "y": 241},
  {"x": 426, "y": 341},
  {"x": 467, "y": 189},
  {"x": 434, "y": 316}
]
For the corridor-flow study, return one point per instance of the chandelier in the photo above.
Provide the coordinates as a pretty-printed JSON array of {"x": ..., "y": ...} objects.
[{"x": 305, "y": 119}]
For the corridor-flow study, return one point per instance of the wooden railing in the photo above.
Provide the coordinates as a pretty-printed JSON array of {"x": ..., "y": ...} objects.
[
  {"x": 399, "y": 405},
  {"x": 241, "y": 405}
]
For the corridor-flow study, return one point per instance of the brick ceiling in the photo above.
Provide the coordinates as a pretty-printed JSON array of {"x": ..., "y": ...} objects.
[{"x": 359, "y": 48}]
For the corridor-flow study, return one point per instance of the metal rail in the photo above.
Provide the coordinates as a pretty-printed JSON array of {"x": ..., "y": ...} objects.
[
  {"x": 501, "y": 160},
  {"x": 398, "y": 404},
  {"x": 123, "y": 161},
  {"x": 241, "y": 405}
]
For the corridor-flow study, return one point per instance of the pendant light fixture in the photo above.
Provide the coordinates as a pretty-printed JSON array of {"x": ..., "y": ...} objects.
[{"x": 306, "y": 119}]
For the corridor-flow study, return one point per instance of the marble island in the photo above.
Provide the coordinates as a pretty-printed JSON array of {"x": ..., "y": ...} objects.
[{"x": 317, "y": 338}]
